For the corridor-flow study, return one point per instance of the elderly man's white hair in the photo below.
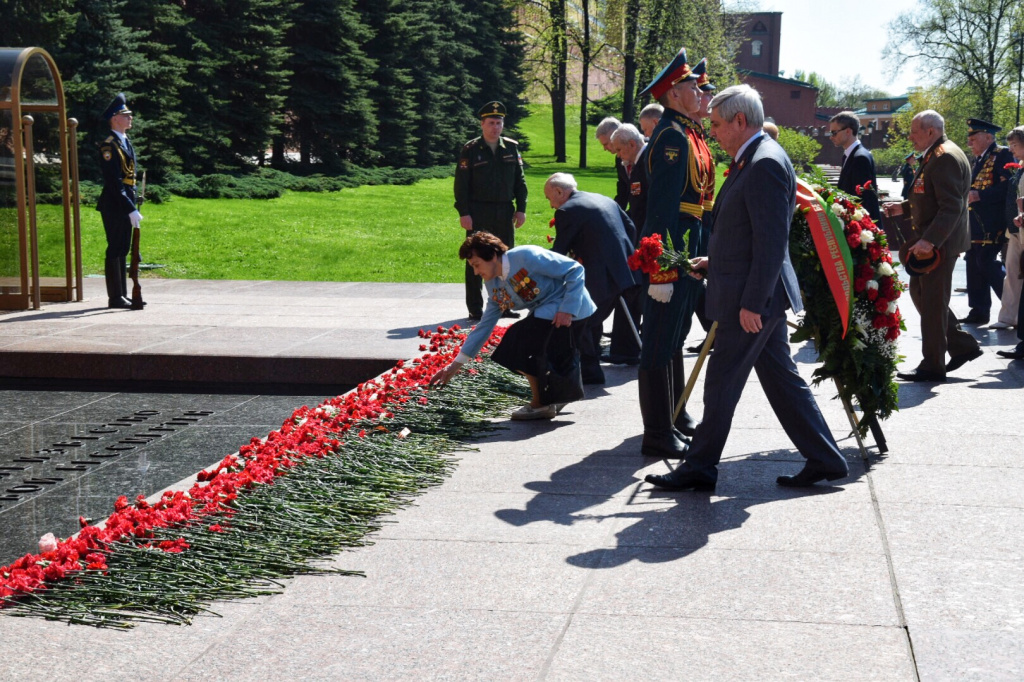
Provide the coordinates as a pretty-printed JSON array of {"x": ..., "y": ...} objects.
[
  {"x": 562, "y": 181},
  {"x": 652, "y": 110},
  {"x": 929, "y": 118},
  {"x": 738, "y": 99},
  {"x": 626, "y": 133},
  {"x": 607, "y": 126}
]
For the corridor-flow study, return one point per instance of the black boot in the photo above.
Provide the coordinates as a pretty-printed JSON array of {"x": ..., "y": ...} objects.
[
  {"x": 655, "y": 398},
  {"x": 684, "y": 423},
  {"x": 115, "y": 299}
]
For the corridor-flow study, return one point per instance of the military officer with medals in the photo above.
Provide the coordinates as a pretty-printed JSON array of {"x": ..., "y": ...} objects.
[
  {"x": 118, "y": 205},
  {"x": 490, "y": 192},
  {"x": 708, "y": 90},
  {"x": 679, "y": 168},
  {"x": 986, "y": 201}
]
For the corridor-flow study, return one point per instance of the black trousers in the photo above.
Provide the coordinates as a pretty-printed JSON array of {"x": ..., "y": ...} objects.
[
  {"x": 118, "y": 227},
  {"x": 984, "y": 271},
  {"x": 624, "y": 342},
  {"x": 496, "y": 218}
]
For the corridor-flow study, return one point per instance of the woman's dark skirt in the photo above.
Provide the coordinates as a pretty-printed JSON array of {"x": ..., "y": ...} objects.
[{"x": 523, "y": 344}]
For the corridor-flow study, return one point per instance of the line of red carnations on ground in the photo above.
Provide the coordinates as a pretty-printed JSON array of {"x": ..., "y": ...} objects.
[{"x": 309, "y": 432}]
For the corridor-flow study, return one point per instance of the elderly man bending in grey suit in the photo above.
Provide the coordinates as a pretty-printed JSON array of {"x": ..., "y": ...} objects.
[{"x": 750, "y": 284}]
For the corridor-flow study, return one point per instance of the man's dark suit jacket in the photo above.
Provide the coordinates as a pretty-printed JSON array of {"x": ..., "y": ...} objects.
[
  {"x": 748, "y": 254},
  {"x": 600, "y": 235},
  {"x": 638, "y": 183},
  {"x": 621, "y": 184},
  {"x": 857, "y": 170}
]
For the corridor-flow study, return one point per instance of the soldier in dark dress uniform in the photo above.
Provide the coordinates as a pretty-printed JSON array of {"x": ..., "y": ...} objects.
[
  {"x": 679, "y": 167},
  {"x": 490, "y": 192},
  {"x": 117, "y": 204},
  {"x": 987, "y": 201}
]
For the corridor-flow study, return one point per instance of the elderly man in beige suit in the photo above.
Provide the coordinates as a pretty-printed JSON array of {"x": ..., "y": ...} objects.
[{"x": 938, "y": 210}]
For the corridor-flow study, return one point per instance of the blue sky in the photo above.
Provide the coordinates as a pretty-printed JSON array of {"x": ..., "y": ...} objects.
[{"x": 839, "y": 40}]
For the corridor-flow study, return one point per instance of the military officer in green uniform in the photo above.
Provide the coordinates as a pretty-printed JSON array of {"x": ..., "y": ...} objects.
[{"x": 490, "y": 191}]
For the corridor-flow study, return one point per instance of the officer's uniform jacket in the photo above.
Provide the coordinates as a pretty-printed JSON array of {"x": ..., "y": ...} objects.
[
  {"x": 681, "y": 177},
  {"x": 538, "y": 280},
  {"x": 938, "y": 198},
  {"x": 989, "y": 178},
  {"x": 489, "y": 177},
  {"x": 117, "y": 161}
]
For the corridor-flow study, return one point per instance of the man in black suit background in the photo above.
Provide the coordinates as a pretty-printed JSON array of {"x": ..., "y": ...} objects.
[
  {"x": 751, "y": 282},
  {"x": 858, "y": 164},
  {"x": 600, "y": 236}
]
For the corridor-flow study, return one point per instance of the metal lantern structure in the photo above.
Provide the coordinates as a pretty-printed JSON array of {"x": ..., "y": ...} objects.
[{"x": 30, "y": 84}]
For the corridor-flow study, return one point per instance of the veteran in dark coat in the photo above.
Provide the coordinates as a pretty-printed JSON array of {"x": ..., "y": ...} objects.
[
  {"x": 751, "y": 283},
  {"x": 939, "y": 225},
  {"x": 679, "y": 169},
  {"x": 117, "y": 204},
  {"x": 594, "y": 230},
  {"x": 490, "y": 191},
  {"x": 987, "y": 201}
]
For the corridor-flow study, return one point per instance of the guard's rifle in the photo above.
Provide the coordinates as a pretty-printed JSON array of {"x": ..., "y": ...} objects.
[{"x": 133, "y": 271}]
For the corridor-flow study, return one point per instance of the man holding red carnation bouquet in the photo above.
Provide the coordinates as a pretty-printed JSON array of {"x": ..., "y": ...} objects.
[
  {"x": 679, "y": 168},
  {"x": 751, "y": 283}
]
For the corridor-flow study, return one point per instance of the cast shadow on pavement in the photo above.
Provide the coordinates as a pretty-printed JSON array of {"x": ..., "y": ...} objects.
[{"x": 675, "y": 530}]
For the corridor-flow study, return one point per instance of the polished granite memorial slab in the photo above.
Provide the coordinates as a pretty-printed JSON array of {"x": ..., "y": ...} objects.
[{"x": 67, "y": 454}]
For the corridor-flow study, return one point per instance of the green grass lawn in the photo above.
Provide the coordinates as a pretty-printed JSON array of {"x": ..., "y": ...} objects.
[{"x": 406, "y": 233}]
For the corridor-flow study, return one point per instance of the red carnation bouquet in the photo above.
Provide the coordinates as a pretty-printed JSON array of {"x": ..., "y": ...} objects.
[{"x": 662, "y": 266}]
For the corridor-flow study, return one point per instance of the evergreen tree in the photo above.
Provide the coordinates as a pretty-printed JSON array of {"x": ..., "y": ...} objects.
[
  {"x": 331, "y": 115},
  {"x": 99, "y": 58},
  {"x": 392, "y": 81},
  {"x": 159, "y": 119},
  {"x": 497, "y": 59},
  {"x": 442, "y": 79},
  {"x": 36, "y": 23},
  {"x": 234, "y": 98}
]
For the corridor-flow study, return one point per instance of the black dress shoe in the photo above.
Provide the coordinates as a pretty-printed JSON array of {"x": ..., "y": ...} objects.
[
  {"x": 682, "y": 480},
  {"x": 697, "y": 348},
  {"x": 681, "y": 436},
  {"x": 686, "y": 423},
  {"x": 663, "y": 445},
  {"x": 921, "y": 375},
  {"x": 613, "y": 359},
  {"x": 974, "y": 317},
  {"x": 808, "y": 476},
  {"x": 475, "y": 317},
  {"x": 510, "y": 315},
  {"x": 958, "y": 361},
  {"x": 1016, "y": 354},
  {"x": 120, "y": 302}
]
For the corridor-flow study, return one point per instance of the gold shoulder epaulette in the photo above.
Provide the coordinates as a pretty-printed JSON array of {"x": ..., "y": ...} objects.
[
  {"x": 940, "y": 150},
  {"x": 109, "y": 139}
]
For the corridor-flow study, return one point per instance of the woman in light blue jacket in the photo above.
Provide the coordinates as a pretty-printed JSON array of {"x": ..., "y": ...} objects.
[{"x": 549, "y": 285}]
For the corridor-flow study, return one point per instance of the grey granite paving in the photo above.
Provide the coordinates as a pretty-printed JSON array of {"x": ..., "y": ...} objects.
[{"x": 545, "y": 557}]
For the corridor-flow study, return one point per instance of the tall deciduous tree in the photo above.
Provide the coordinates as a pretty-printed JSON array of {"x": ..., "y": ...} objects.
[{"x": 964, "y": 44}]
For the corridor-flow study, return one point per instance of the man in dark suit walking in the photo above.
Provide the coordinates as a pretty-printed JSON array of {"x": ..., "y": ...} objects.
[
  {"x": 939, "y": 225},
  {"x": 118, "y": 205},
  {"x": 599, "y": 234},
  {"x": 750, "y": 284},
  {"x": 858, "y": 164}
]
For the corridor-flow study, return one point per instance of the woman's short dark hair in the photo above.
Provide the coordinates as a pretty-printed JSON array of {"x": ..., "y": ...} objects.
[
  {"x": 1016, "y": 135},
  {"x": 482, "y": 244}
]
